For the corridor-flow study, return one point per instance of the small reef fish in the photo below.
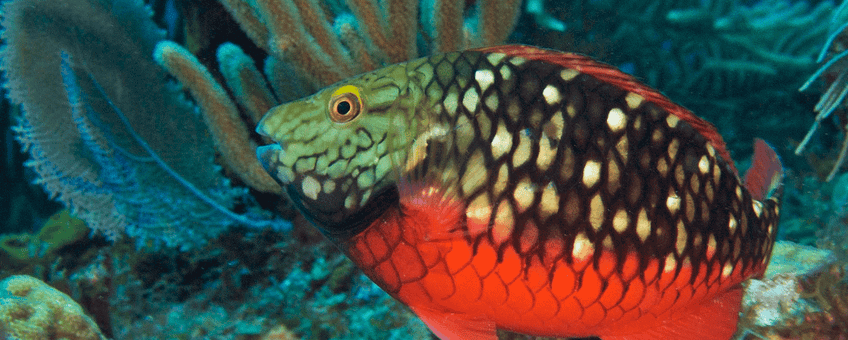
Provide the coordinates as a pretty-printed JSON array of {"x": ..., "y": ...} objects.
[{"x": 529, "y": 190}]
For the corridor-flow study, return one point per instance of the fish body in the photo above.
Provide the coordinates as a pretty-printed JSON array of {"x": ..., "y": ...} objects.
[{"x": 529, "y": 190}]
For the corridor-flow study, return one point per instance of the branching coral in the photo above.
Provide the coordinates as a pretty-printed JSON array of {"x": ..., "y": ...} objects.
[{"x": 329, "y": 45}]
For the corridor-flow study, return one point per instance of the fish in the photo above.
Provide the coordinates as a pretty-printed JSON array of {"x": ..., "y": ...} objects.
[{"x": 529, "y": 190}]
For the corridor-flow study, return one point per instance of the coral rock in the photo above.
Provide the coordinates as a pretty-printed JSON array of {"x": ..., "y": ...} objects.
[{"x": 30, "y": 309}]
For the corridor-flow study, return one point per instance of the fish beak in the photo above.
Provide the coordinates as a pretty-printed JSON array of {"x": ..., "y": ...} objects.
[
  {"x": 269, "y": 156},
  {"x": 262, "y": 127}
]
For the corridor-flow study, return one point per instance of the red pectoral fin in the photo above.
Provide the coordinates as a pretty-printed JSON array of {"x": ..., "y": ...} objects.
[
  {"x": 426, "y": 207},
  {"x": 713, "y": 320},
  {"x": 453, "y": 326}
]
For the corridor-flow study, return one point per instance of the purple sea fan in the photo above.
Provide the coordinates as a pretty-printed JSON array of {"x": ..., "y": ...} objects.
[{"x": 108, "y": 134}]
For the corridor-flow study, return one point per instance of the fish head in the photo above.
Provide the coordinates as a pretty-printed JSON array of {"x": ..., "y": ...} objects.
[{"x": 335, "y": 151}]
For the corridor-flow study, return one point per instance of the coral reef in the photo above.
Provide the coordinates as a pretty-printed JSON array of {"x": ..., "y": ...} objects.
[
  {"x": 108, "y": 135},
  {"x": 796, "y": 259},
  {"x": 244, "y": 284},
  {"x": 803, "y": 296},
  {"x": 32, "y": 310},
  {"x": 771, "y": 301},
  {"x": 829, "y": 290}
]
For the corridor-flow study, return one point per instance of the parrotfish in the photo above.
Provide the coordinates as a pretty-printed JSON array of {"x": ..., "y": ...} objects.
[{"x": 529, "y": 190}]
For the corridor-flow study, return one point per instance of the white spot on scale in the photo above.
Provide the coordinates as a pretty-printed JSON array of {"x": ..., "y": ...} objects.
[
  {"x": 524, "y": 194},
  {"x": 549, "y": 203},
  {"x": 547, "y": 153},
  {"x": 633, "y": 100},
  {"x": 616, "y": 120},
  {"x": 620, "y": 221},
  {"x": 704, "y": 165},
  {"x": 731, "y": 225},
  {"x": 484, "y": 78},
  {"x": 673, "y": 203},
  {"x": 758, "y": 208},
  {"x": 682, "y": 235},
  {"x": 726, "y": 270},
  {"x": 596, "y": 212},
  {"x": 329, "y": 186},
  {"x": 643, "y": 225},
  {"x": 591, "y": 173},
  {"x": 479, "y": 210},
  {"x": 518, "y": 61},
  {"x": 502, "y": 142},
  {"x": 672, "y": 120},
  {"x": 710, "y": 150},
  {"x": 495, "y": 58},
  {"x": 350, "y": 202},
  {"x": 583, "y": 248},
  {"x": 310, "y": 187},
  {"x": 492, "y": 101},
  {"x": 522, "y": 151},
  {"x": 670, "y": 264},
  {"x": 471, "y": 100},
  {"x": 551, "y": 94},
  {"x": 568, "y": 74},
  {"x": 504, "y": 222},
  {"x": 505, "y": 72},
  {"x": 451, "y": 102},
  {"x": 711, "y": 247}
]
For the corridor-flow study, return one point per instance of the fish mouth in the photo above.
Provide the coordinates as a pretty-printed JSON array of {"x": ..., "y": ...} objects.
[{"x": 269, "y": 157}]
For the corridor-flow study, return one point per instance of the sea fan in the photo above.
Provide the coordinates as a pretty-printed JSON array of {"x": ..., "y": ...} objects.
[{"x": 108, "y": 135}]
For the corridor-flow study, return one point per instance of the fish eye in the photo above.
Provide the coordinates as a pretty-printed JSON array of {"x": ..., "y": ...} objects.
[{"x": 345, "y": 104}]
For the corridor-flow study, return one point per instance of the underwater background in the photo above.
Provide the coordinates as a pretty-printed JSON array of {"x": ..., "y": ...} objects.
[{"x": 130, "y": 183}]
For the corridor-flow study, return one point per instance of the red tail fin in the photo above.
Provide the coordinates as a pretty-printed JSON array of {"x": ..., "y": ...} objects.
[{"x": 766, "y": 172}]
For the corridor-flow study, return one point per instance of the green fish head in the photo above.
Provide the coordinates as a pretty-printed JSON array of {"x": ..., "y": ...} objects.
[{"x": 336, "y": 153}]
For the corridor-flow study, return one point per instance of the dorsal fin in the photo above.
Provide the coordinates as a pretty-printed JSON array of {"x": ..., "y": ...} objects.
[{"x": 614, "y": 76}]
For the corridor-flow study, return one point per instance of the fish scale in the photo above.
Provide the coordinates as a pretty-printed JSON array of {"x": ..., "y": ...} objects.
[{"x": 531, "y": 191}]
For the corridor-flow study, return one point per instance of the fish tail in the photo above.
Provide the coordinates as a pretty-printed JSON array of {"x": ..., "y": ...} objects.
[{"x": 763, "y": 180}]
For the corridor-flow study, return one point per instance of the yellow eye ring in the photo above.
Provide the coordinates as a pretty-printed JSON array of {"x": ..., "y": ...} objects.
[{"x": 345, "y": 105}]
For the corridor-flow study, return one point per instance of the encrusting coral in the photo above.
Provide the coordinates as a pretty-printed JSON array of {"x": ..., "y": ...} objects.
[{"x": 32, "y": 310}]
